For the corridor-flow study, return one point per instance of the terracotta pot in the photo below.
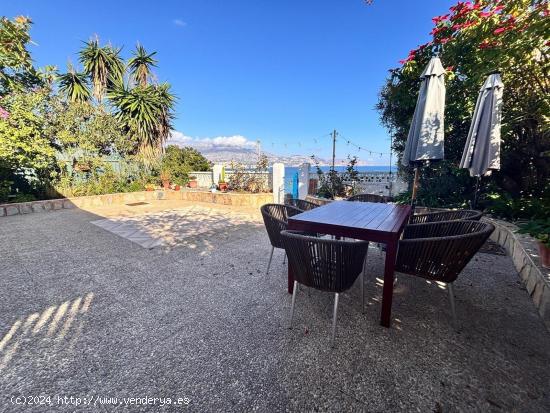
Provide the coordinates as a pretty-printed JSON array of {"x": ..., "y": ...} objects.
[
  {"x": 222, "y": 186},
  {"x": 544, "y": 254},
  {"x": 192, "y": 184},
  {"x": 166, "y": 184},
  {"x": 177, "y": 187}
]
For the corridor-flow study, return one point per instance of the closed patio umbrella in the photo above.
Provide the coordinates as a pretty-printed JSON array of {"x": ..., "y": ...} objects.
[
  {"x": 425, "y": 139},
  {"x": 482, "y": 151}
]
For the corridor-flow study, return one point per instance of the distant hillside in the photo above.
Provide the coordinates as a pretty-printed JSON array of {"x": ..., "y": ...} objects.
[{"x": 250, "y": 156}]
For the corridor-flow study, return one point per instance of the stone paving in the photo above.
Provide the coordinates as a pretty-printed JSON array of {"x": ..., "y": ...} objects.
[
  {"x": 173, "y": 227},
  {"x": 88, "y": 313}
]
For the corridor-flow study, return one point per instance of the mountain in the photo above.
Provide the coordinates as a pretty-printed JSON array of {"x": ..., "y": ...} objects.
[{"x": 250, "y": 156}]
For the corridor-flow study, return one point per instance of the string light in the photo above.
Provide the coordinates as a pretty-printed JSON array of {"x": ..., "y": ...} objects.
[{"x": 360, "y": 148}]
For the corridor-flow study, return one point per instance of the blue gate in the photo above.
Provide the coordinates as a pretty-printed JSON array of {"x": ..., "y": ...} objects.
[{"x": 295, "y": 186}]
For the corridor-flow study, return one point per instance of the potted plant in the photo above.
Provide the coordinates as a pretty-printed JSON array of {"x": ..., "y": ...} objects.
[
  {"x": 192, "y": 182},
  {"x": 178, "y": 183},
  {"x": 149, "y": 187},
  {"x": 540, "y": 230},
  {"x": 165, "y": 178},
  {"x": 222, "y": 185}
]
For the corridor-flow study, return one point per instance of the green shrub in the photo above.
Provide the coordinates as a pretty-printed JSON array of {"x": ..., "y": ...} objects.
[
  {"x": 539, "y": 229},
  {"x": 502, "y": 205}
]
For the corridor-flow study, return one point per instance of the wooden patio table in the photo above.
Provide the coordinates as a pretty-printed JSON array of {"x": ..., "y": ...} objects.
[{"x": 376, "y": 222}]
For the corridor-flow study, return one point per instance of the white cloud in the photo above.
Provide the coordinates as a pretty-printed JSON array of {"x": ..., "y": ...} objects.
[
  {"x": 179, "y": 22},
  {"x": 214, "y": 144}
]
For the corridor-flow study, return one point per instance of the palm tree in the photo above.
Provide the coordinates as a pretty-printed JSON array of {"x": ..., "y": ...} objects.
[
  {"x": 103, "y": 64},
  {"x": 74, "y": 85},
  {"x": 141, "y": 65},
  {"x": 147, "y": 112}
]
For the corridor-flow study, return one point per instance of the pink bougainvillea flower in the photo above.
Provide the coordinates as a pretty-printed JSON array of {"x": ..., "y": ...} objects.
[
  {"x": 498, "y": 8},
  {"x": 502, "y": 29},
  {"x": 449, "y": 68},
  {"x": 485, "y": 14},
  {"x": 487, "y": 44},
  {"x": 437, "y": 30},
  {"x": 4, "y": 114},
  {"x": 445, "y": 40},
  {"x": 439, "y": 19}
]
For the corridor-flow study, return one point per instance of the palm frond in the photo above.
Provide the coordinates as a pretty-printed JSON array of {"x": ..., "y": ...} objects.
[
  {"x": 147, "y": 111},
  {"x": 103, "y": 65},
  {"x": 141, "y": 64},
  {"x": 74, "y": 86}
]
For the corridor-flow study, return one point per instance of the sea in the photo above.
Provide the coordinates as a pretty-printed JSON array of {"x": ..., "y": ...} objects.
[{"x": 291, "y": 170}]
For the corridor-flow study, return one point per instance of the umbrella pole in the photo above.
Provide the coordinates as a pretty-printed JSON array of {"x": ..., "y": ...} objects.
[
  {"x": 474, "y": 204},
  {"x": 415, "y": 186}
]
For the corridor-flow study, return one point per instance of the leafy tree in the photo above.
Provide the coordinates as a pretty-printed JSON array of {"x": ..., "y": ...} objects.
[
  {"x": 180, "y": 161},
  {"x": 16, "y": 68},
  {"x": 87, "y": 130},
  {"x": 473, "y": 39},
  {"x": 141, "y": 64},
  {"x": 26, "y": 149}
]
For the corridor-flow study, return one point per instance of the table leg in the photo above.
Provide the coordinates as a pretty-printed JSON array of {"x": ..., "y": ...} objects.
[
  {"x": 290, "y": 279},
  {"x": 387, "y": 292}
]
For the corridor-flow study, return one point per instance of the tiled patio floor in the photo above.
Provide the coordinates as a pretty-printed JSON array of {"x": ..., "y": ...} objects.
[{"x": 88, "y": 313}]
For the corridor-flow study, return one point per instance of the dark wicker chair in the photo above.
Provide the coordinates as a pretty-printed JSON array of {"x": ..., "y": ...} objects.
[
  {"x": 324, "y": 264},
  {"x": 438, "y": 216},
  {"x": 276, "y": 220},
  {"x": 368, "y": 198},
  {"x": 439, "y": 251},
  {"x": 301, "y": 204}
]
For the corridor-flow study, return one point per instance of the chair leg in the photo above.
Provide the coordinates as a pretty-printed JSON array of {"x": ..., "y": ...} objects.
[
  {"x": 284, "y": 259},
  {"x": 363, "y": 277},
  {"x": 452, "y": 301},
  {"x": 334, "y": 317},
  {"x": 295, "y": 289},
  {"x": 270, "y": 258},
  {"x": 363, "y": 292}
]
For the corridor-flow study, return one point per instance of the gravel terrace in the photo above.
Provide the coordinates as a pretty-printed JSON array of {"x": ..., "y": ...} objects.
[{"x": 92, "y": 308}]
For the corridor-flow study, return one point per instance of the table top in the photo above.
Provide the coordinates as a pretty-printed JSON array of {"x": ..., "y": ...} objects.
[{"x": 361, "y": 220}]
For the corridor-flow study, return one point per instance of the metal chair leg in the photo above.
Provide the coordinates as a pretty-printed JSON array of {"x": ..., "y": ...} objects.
[
  {"x": 452, "y": 301},
  {"x": 293, "y": 301},
  {"x": 334, "y": 317},
  {"x": 270, "y": 258},
  {"x": 363, "y": 276},
  {"x": 363, "y": 292}
]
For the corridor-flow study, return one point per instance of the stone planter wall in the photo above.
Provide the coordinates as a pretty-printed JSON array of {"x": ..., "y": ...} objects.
[
  {"x": 229, "y": 198},
  {"x": 524, "y": 252}
]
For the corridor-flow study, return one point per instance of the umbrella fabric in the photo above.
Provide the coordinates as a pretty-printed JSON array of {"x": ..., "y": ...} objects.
[
  {"x": 425, "y": 139},
  {"x": 482, "y": 151}
]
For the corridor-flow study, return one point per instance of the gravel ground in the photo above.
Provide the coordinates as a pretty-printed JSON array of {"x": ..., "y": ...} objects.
[{"x": 89, "y": 314}]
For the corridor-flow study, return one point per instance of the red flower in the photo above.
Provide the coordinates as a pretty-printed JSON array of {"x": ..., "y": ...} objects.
[
  {"x": 445, "y": 40},
  {"x": 439, "y": 19},
  {"x": 486, "y": 44},
  {"x": 498, "y": 8},
  {"x": 449, "y": 68},
  {"x": 436, "y": 30},
  {"x": 500, "y": 30},
  {"x": 485, "y": 14}
]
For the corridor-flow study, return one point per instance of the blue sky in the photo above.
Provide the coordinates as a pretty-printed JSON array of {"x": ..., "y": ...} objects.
[{"x": 284, "y": 72}]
